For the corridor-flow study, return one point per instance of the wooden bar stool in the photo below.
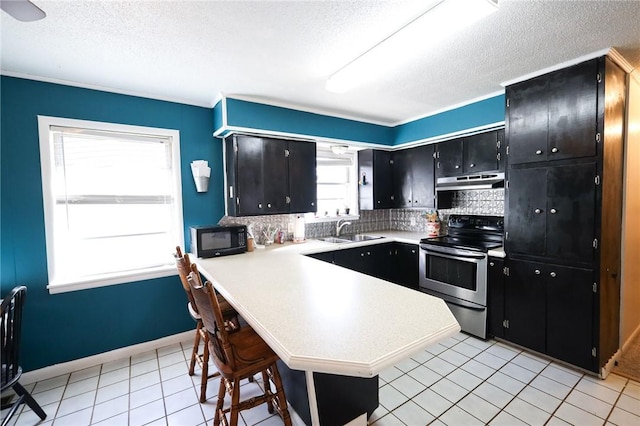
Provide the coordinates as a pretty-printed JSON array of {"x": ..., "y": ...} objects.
[
  {"x": 183, "y": 265},
  {"x": 238, "y": 355}
]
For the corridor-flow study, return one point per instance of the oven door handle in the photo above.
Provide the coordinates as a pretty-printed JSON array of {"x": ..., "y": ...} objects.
[{"x": 454, "y": 254}]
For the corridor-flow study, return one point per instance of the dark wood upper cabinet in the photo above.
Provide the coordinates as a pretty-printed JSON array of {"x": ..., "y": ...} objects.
[
  {"x": 449, "y": 158},
  {"x": 482, "y": 152},
  {"x": 303, "y": 189},
  {"x": 478, "y": 153},
  {"x": 269, "y": 176},
  {"x": 398, "y": 179},
  {"x": 375, "y": 187},
  {"x": 554, "y": 116},
  {"x": 413, "y": 177},
  {"x": 552, "y": 211}
]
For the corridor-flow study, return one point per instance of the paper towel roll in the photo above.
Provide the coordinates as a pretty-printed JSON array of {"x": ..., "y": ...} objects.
[{"x": 298, "y": 230}]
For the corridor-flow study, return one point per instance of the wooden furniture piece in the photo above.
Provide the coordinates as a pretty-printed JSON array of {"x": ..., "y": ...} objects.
[
  {"x": 267, "y": 175},
  {"x": 482, "y": 152},
  {"x": 183, "y": 265},
  {"x": 563, "y": 221},
  {"x": 413, "y": 177},
  {"x": 10, "y": 336},
  {"x": 375, "y": 190},
  {"x": 239, "y": 355}
]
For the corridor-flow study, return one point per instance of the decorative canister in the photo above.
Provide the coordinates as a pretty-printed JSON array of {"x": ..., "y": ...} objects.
[{"x": 433, "y": 229}]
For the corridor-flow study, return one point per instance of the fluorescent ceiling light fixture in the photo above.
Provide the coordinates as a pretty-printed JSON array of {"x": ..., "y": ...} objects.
[
  {"x": 22, "y": 10},
  {"x": 442, "y": 19}
]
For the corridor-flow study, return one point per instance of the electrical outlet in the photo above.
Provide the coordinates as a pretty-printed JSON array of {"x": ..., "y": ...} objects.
[
  {"x": 290, "y": 228},
  {"x": 413, "y": 221}
]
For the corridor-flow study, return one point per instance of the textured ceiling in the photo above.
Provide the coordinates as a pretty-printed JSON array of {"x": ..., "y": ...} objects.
[{"x": 282, "y": 52}]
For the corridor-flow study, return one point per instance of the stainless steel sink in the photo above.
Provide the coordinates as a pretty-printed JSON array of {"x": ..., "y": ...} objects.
[
  {"x": 359, "y": 237},
  {"x": 334, "y": 240},
  {"x": 348, "y": 238}
]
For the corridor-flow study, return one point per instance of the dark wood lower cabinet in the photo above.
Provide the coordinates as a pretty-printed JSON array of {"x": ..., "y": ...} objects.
[
  {"x": 325, "y": 256},
  {"x": 548, "y": 308},
  {"x": 405, "y": 263},
  {"x": 371, "y": 260},
  {"x": 570, "y": 313},
  {"x": 495, "y": 296},
  {"x": 340, "y": 399},
  {"x": 395, "y": 262},
  {"x": 525, "y": 305}
]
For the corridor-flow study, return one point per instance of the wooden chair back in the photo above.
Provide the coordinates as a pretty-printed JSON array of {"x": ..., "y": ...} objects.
[
  {"x": 183, "y": 265},
  {"x": 213, "y": 320}
]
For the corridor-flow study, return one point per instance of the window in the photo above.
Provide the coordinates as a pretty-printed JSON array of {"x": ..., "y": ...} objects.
[
  {"x": 337, "y": 182},
  {"x": 112, "y": 202}
]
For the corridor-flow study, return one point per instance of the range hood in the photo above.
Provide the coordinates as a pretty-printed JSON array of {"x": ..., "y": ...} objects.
[{"x": 478, "y": 181}]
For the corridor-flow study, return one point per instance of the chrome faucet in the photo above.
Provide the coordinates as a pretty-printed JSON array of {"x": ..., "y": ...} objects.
[{"x": 339, "y": 226}]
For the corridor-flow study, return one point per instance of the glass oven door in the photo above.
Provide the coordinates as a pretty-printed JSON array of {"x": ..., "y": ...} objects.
[{"x": 454, "y": 272}]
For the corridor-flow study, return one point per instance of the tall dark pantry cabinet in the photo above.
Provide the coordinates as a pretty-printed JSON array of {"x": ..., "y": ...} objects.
[{"x": 564, "y": 134}]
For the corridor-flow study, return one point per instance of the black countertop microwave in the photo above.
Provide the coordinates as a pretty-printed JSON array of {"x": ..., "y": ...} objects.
[{"x": 211, "y": 241}]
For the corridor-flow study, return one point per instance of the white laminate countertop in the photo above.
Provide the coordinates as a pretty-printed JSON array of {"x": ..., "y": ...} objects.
[{"x": 324, "y": 318}]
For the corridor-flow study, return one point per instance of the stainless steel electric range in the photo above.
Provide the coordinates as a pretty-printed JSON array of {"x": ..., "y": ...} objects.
[{"x": 454, "y": 267}]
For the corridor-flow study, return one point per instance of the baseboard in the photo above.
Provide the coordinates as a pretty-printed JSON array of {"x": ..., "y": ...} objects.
[
  {"x": 635, "y": 334},
  {"x": 82, "y": 363},
  {"x": 608, "y": 366}
]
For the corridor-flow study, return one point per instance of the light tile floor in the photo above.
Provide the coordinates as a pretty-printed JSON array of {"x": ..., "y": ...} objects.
[{"x": 460, "y": 381}]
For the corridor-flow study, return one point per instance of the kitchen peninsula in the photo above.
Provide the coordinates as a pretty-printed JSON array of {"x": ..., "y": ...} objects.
[{"x": 329, "y": 322}]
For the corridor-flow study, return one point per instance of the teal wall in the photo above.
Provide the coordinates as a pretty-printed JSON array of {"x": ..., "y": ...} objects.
[
  {"x": 478, "y": 114},
  {"x": 67, "y": 326},
  {"x": 277, "y": 119},
  {"x": 268, "y": 118}
]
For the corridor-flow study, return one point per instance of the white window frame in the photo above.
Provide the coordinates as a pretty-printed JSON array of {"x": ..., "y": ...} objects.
[
  {"x": 57, "y": 285},
  {"x": 353, "y": 203}
]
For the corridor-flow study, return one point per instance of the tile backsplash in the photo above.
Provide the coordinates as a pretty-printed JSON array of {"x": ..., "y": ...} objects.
[{"x": 477, "y": 202}]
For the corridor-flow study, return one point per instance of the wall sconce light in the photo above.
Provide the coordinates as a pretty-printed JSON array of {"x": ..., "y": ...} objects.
[{"x": 201, "y": 173}]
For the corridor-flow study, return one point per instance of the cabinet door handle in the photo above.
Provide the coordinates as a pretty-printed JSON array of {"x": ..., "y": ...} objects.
[
  {"x": 457, "y": 166},
  {"x": 368, "y": 253},
  {"x": 260, "y": 205},
  {"x": 361, "y": 254},
  {"x": 491, "y": 264},
  {"x": 552, "y": 274},
  {"x": 537, "y": 211},
  {"x": 415, "y": 201},
  {"x": 554, "y": 149},
  {"x": 269, "y": 205},
  {"x": 537, "y": 272},
  {"x": 472, "y": 165},
  {"x": 553, "y": 211},
  {"x": 539, "y": 152}
]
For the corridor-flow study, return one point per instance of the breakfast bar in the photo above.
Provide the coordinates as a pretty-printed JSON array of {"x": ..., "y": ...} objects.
[{"x": 335, "y": 325}]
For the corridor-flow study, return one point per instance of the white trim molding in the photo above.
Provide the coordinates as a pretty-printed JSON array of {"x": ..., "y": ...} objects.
[{"x": 82, "y": 363}]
